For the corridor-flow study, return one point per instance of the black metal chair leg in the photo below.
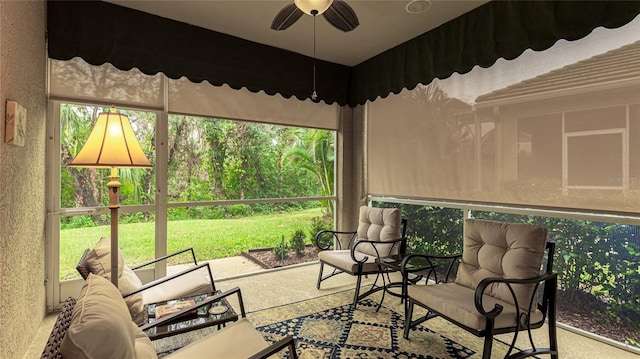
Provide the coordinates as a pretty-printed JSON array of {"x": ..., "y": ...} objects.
[
  {"x": 553, "y": 338},
  {"x": 320, "y": 275},
  {"x": 357, "y": 294},
  {"x": 488, "y": 340},
  {"x": 408, "y": 313}
]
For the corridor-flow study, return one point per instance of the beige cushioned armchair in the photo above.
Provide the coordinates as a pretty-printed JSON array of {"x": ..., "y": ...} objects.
[
  {"x": 380, "y": 233},
  {"x": 497, "y": 286}
]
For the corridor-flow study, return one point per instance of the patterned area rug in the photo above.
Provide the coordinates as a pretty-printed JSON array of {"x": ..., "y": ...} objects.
[
  {"x": 363, "y": 333},
  {"x": 326, "y": 327}
]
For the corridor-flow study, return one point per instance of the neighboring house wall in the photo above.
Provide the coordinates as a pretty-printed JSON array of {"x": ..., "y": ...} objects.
[{"x": 22, "y": 177}]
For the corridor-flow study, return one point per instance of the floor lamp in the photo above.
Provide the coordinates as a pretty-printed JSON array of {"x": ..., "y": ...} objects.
[{"x": 112, "y": 144}]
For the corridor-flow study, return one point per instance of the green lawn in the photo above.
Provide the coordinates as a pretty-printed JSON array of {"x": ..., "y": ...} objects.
[{"x": 211, "y": 239}]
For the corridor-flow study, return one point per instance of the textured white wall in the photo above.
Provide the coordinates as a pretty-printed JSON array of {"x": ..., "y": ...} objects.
[{"x": 22, "y": 176}]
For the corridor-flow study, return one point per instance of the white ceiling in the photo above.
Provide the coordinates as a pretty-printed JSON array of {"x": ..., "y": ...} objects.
[{"x": 383, "y": 24}]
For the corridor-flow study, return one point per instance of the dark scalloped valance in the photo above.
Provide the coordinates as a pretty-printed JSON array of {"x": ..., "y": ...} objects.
[
  {"x": 498, "y": 29},
  {"x": 101, "y": 32}
]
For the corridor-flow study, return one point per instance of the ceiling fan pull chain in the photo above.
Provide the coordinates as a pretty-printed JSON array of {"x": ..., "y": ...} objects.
[{"x": 314, "y": 95}]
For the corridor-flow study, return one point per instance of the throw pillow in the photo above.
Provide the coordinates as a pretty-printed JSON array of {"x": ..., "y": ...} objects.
[{"x": 100, "y": 325}]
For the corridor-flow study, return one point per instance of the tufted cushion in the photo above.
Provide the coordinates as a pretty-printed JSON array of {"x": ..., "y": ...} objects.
[
  {"x": 100, "y": 326},
  {"x": 379, "y": 224},
  {"x": 503, "y": 250}
]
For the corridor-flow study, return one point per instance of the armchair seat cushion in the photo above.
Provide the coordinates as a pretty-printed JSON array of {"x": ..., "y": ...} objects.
[
  {"x": 192, "y": 283},
  {"x": 342, "y": 260},
  {"x": 456, "y": 302},
  {"x": 239, "y": 340}
]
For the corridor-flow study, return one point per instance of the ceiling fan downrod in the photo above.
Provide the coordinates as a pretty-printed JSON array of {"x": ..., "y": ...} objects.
[{"x": 314, "y": 94}]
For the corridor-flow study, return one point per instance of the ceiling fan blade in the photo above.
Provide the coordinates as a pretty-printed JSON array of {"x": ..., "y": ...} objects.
[
  {"x": 342, "y": 16},
  {"x": 286, "y": 17}
]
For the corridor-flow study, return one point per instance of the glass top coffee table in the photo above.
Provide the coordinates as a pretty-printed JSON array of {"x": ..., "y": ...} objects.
[{"x": 217, "y": 313}]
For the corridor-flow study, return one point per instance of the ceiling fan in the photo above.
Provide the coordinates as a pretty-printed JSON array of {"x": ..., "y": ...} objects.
[{"x": 337, "y": 12}]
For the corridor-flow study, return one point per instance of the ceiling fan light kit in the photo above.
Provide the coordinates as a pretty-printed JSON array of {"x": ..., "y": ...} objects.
[
  {"x": 337, "y": 12},
  {"x": 417, "y": 6},
  {"x": 313, "y": 7}
]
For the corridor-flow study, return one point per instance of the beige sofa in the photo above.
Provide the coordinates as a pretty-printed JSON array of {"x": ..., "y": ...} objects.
[{"x": 98, "y": 325}]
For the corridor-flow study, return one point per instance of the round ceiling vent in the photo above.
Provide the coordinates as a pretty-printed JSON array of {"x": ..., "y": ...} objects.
[{"x": 417, "y": 6}]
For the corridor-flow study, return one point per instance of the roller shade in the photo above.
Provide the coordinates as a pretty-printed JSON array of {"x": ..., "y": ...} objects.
[
  {"x": 204, "y": 99},
  {"x": 76, "y": 79},
  {"x": 558, "y": 128}
]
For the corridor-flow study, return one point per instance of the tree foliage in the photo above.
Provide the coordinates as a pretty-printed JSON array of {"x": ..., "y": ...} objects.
[
  {"x": 313, "y": 151},
  {"x": 208, "y": 159}
]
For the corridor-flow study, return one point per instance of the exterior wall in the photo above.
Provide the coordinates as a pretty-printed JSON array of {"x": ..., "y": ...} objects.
[{"x": 22, "y": 179}]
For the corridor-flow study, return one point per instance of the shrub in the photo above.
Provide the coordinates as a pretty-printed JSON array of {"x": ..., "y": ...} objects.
[
  {"x": 238, "y": 210},
  {"x": 297, "y": 242},
  {"x": 317, "y": 224},
  {"x": 78, "y": 222}
]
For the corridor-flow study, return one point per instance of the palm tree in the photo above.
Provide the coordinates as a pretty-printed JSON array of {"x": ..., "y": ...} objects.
[
  {"x": 313, "y": 150},
  {"x": 75, "y": 126}
]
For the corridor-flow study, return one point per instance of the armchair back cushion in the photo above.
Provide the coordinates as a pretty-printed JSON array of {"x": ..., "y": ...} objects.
[
  {"x": 99, "y": 262},
  {"x": 99, "y": 259},
  {"x": 128, "y": 282},
  {"x": 503, "y": 250},
  {"x": 380, "y": 225},
  {"x": 101, "y": 326}
]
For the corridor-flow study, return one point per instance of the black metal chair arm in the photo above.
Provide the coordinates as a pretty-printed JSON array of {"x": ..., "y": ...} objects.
[
  {"x": 432, "y": 265},
  {"x": 190, "y": 249},
  {"x": 173, "y": 276},
  {"x": 328, "y": 245},
  {"x": 497, "y": 309},
  {"x": 286, "y": 342},
  {"x": 374, "y": 244},
  {"x": 215, "y": 298}
]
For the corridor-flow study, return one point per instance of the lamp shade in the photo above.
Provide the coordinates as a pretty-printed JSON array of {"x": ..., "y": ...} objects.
[
  {"x": 111, "y": 143},
  {"x": 308, "y": 6}
]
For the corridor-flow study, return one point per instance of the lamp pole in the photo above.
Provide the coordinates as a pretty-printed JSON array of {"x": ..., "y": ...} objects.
[{"x": 114, "y": 203}]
